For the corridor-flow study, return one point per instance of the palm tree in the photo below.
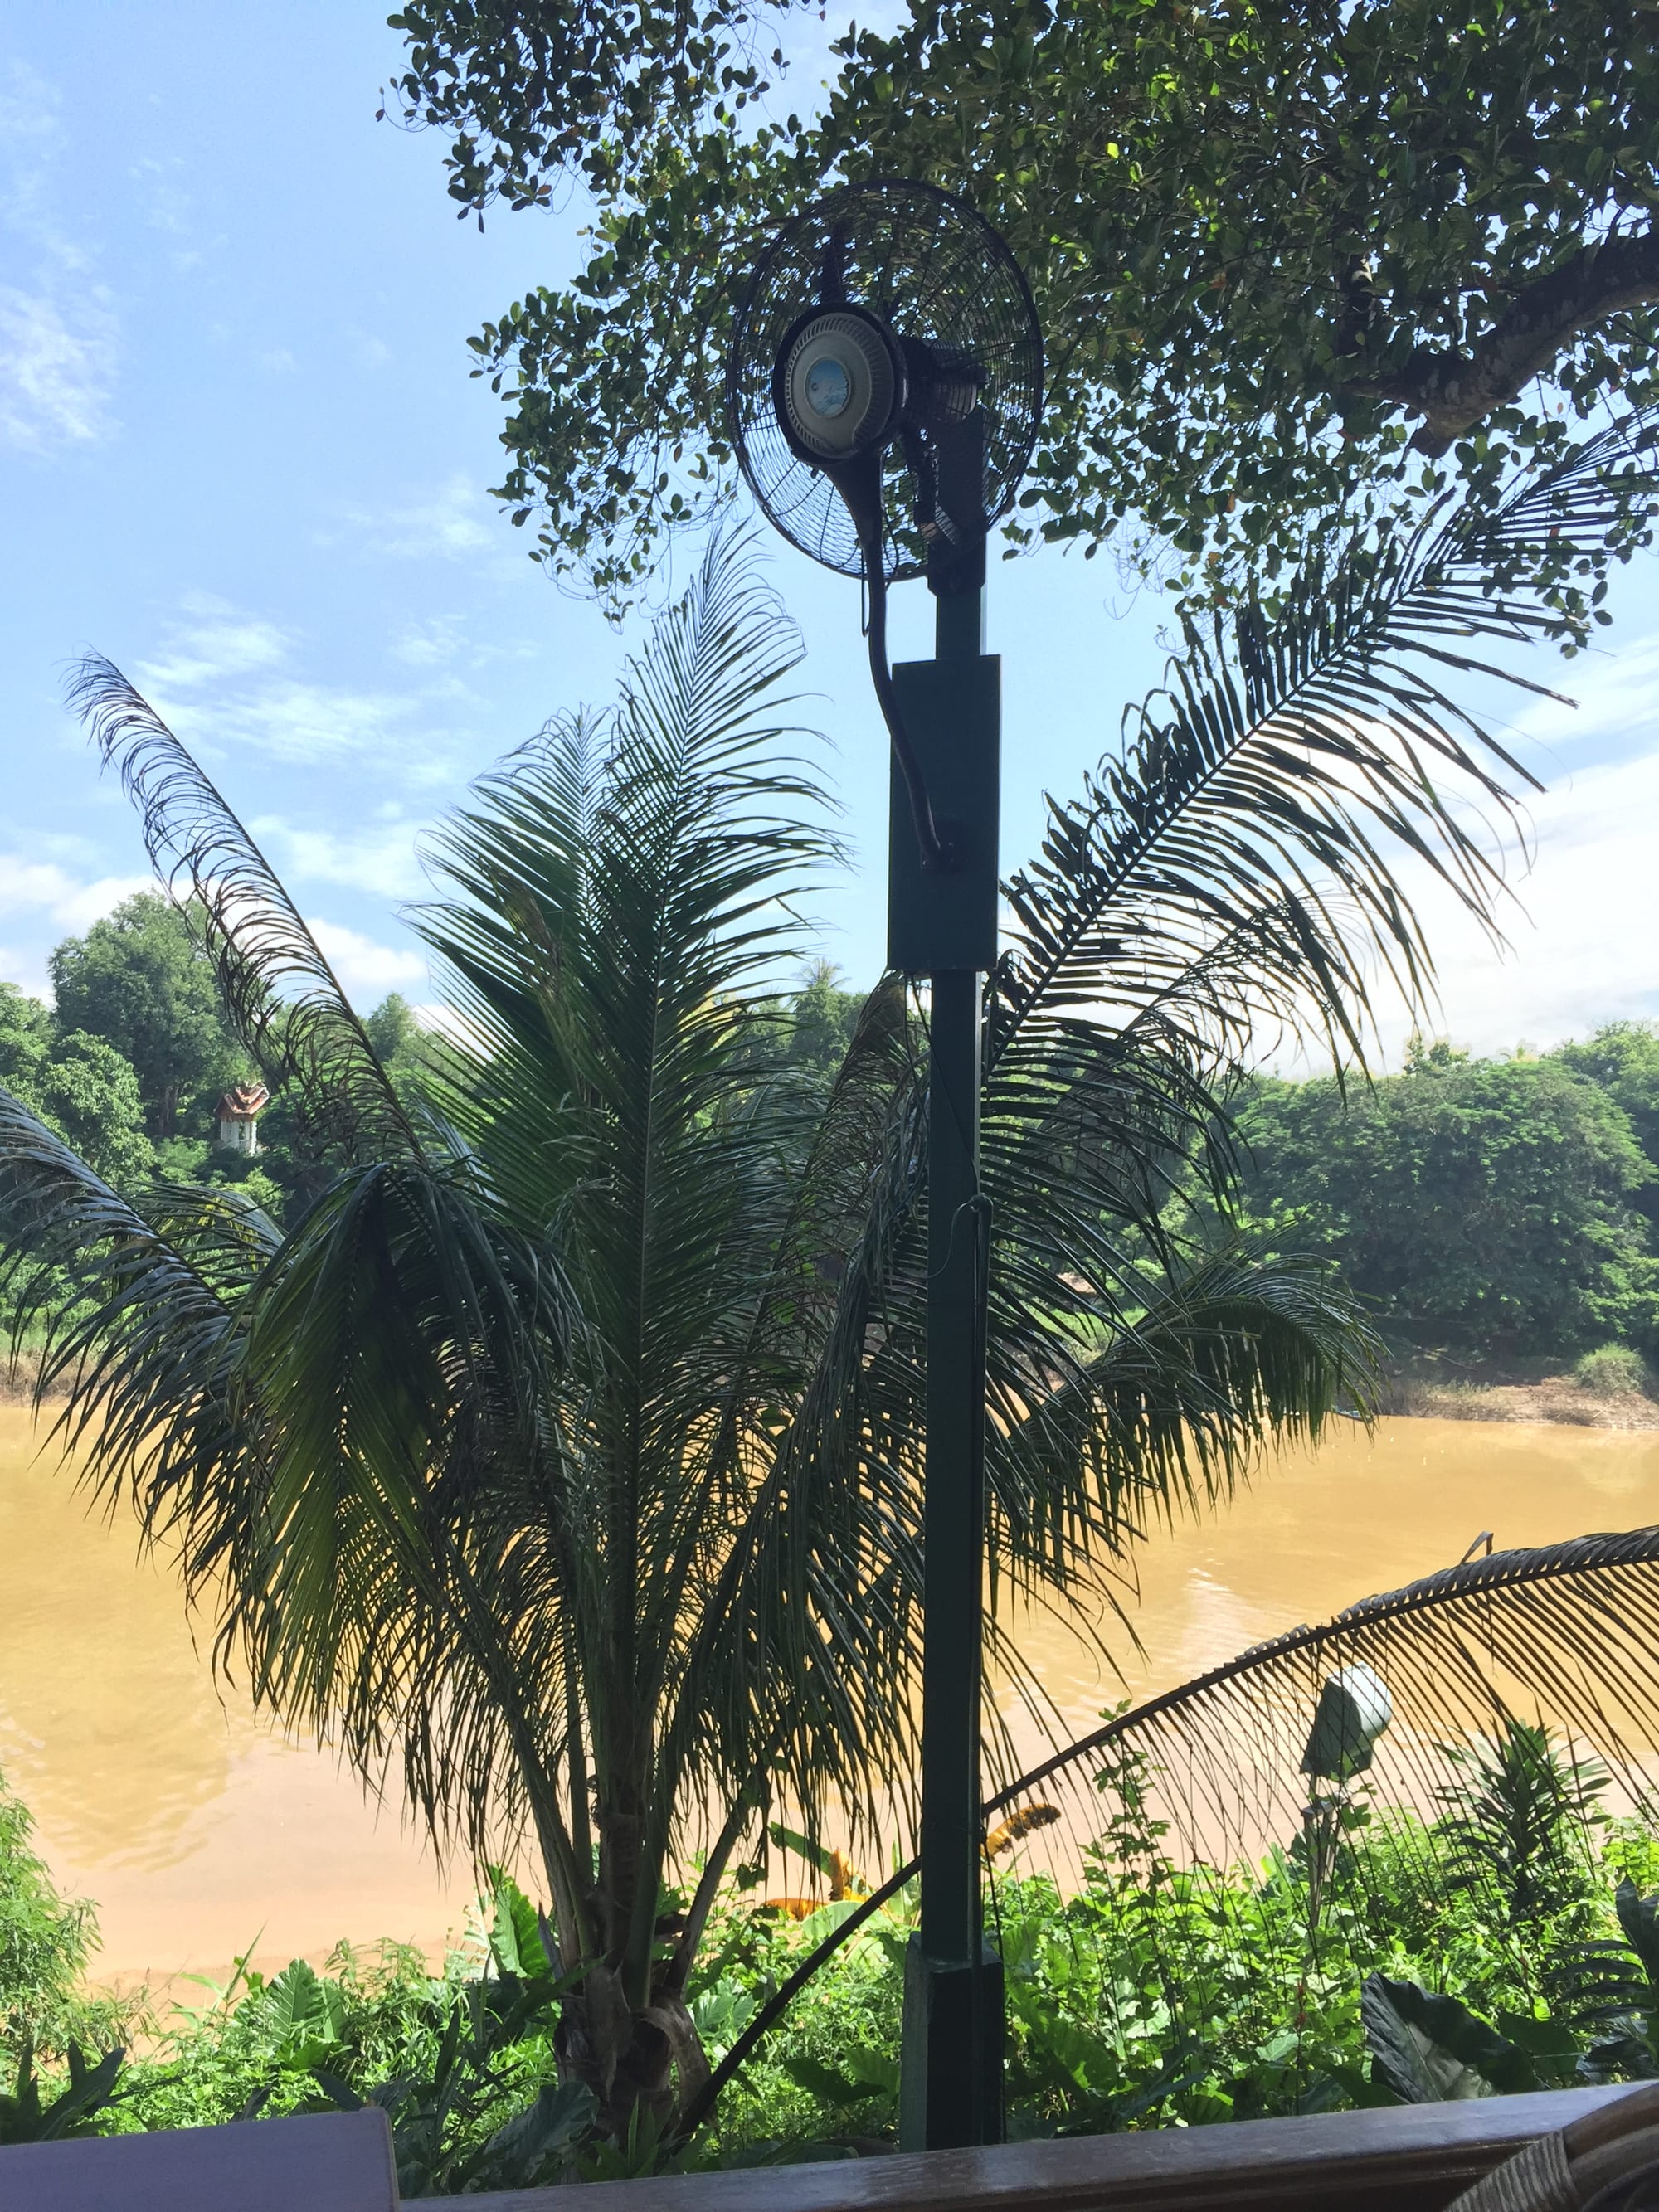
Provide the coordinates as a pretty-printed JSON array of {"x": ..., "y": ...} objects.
[{"x": 566, "y": 1446}]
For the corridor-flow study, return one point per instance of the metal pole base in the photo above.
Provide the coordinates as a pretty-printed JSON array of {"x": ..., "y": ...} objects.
[{"x": 951, "y": 2063}]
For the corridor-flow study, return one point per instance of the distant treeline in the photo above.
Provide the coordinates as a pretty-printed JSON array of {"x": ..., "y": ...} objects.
[
  {"x": 1504, "y": 1207},
  {"x": 130, "y": 1061}
]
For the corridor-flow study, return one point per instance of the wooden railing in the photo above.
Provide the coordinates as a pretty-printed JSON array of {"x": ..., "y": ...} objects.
[{"x": 1406, "y": 2158}]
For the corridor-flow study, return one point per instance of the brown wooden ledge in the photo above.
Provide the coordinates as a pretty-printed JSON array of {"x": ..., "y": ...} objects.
[{"x": 1406, "y": 2158}]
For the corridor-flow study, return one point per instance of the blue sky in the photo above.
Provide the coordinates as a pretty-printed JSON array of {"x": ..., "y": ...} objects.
[{"x": 240, "y": 454}]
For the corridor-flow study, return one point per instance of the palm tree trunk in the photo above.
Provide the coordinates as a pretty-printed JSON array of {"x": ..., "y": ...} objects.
[{"x": 627, "y": 2032}]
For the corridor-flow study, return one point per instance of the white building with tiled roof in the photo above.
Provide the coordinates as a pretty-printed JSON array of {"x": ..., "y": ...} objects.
[{"x": 239, "y": 1113}]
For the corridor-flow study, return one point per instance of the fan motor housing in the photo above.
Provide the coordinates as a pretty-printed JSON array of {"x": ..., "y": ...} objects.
[{"x": 839, "y": 384}]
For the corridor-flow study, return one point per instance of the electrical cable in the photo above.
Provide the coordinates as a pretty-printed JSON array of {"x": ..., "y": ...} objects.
[{"x": 935, "y": 853}]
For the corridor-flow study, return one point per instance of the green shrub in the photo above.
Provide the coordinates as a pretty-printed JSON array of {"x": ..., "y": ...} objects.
[
  {"x": 44, "y": 1940},
  {"x": 1615, "y": 1369},
  {"x": 1154, "y": 1994},
  {"x": 1530, "y": 1174},
  {"x": 256, "y": 2040},
  {"x": 462, "y": 2061}
]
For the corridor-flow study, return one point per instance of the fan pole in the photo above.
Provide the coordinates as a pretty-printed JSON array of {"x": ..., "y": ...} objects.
[{"x": 943, "y": 925}]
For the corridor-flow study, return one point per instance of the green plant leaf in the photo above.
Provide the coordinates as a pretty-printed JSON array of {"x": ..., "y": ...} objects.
[
  {"x": 1550, "y": 2044},
  {"x": 803, "y": 1847},
  {"x": 1430, "y": 2048},
  {"x": 828, "y": 2083},
  {"x": 515, "y": 1931},
  {"x": 1638, "y": 1916},
  {"x": 303, "y": 2013},
  {"x": 92, "y": 2088},
  {"x": 526, "y": 2149}
]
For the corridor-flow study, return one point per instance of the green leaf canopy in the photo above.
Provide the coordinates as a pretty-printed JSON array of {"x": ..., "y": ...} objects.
[{"x": 1292, "y": 261}]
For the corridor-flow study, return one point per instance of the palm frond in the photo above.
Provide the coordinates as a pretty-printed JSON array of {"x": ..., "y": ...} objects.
[
  {"x": 225, "y": 1235},
  {"x": 1563, "y": 1632},
  {"x": 406, "y": 1336},
  {"x": 1286, "y": 772},
  {"x": 1561, "y": 1635},
  {"x": 282, "y": 997},
  {"x": 1232, "y": 1355},
  {"x": 1545, "y": 1652},
  {"x": 141, "y": 1339},
  {"x": 1234, "y": 869},
  {"x": 473, "y": 1506}
]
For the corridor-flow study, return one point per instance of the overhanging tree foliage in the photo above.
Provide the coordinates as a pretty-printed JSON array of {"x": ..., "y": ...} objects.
[{"x": 1289, "y": 260}]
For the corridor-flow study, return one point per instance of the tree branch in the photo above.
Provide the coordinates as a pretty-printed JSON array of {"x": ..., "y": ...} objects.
[{"x": 1453, "y": 392}]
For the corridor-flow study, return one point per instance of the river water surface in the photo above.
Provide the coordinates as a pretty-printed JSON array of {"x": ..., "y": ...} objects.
[{"x": 200, "y": 1831}]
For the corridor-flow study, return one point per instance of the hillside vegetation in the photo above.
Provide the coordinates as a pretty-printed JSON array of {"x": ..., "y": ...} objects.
[{"x": 1500, "y": 1216}]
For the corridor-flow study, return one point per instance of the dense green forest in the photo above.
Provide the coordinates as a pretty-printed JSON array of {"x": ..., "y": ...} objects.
[
  {"x": 1502, "y": 1209},
  {"x": 131, "y": 1063}
]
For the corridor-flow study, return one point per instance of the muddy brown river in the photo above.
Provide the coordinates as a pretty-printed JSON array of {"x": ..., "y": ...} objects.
[{"x": 199, "y": 1831}]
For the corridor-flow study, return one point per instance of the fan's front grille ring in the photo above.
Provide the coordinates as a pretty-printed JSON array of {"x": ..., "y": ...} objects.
[{"x": 931, "y": 267}]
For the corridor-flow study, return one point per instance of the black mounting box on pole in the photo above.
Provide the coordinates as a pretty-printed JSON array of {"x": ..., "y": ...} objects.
[{"x": 940, "y": 918}]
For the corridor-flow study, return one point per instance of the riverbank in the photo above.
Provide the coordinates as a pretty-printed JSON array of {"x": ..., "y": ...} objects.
[
  {"x": 1422, "y": 1393},
  {"x": 1560, "y": 1399}
]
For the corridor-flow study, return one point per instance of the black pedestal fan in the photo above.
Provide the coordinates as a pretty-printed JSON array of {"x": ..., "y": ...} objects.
[{"x": 885, "y": 388}]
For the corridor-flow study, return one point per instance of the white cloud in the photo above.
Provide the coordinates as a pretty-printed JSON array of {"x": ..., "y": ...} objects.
[
  {"x": 205, "y": 683},
  {"x": 369, "y": 352},
  {"x": 33, "y": 142},
  {"x": 166, "y": 203},
  {"x": 55, "y": 901},
  {"x": 302, "y": 724},
  {"x": 198, "y": 685},
  {"x": 1580, "y": 927},
  {"x": 1614, "y": 696},
  {"x": 214, "y": 643},
  {"x": 432, "y": 771},
  {"x": 306, "y": 723},
  {"x": 382, "y": 860},
  {"x": 42, "y": 887},
  {"x": 29, "y": 106},
  {"x": 367, "y": 970},
  {"x": 26, "y": 971},
  {"x": 447, "y": 1021},
  {"x": 58, "y": 328},
  {"x": 54, "y": 376},
  {"x": 425, "y": 644},
  {"x": 450, "y": 525}
]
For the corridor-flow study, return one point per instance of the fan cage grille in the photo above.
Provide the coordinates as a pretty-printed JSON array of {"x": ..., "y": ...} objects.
[{"x": 930, "y": 266}]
